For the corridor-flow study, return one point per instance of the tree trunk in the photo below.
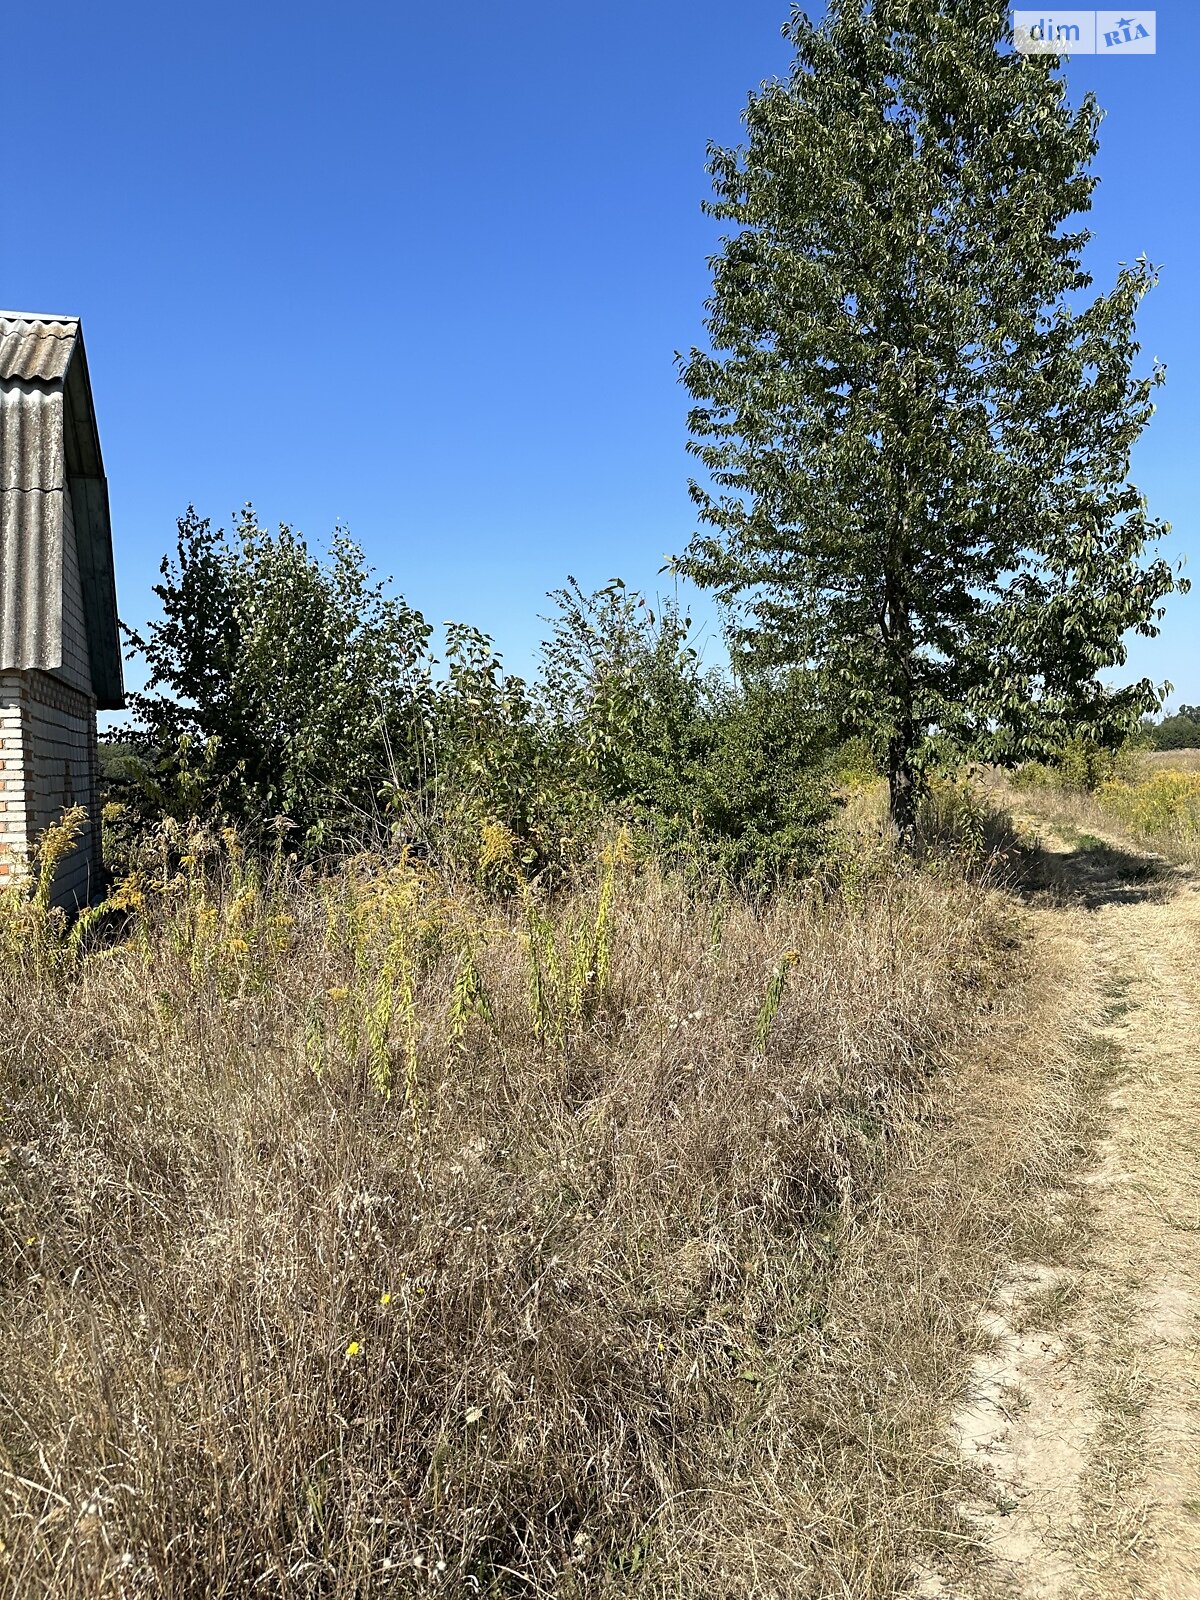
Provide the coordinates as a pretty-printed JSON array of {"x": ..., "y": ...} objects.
[{"x": 903, "y": 793}]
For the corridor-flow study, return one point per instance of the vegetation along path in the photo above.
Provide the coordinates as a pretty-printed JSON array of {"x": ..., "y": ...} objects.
[{"x": 1085, "y": 1411}]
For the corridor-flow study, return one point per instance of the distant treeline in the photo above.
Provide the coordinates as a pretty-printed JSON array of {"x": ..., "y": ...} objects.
[{"x": 1178, "y": 732}]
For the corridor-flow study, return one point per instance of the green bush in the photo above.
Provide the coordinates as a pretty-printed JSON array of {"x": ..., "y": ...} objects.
[
  {"x": 723, "y": 774},
  {"x": 281, "y": 684},
  {"x": 1081, "y": 765},
  {"x": 288, "y": 688}
]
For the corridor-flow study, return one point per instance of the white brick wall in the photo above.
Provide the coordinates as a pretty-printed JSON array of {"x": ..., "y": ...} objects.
[
  {"x": 13, "y": 828},
  {"x": 47, "y": 763}
]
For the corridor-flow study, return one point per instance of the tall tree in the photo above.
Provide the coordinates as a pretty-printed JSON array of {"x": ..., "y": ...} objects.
[{"x": 916, "y": 427}]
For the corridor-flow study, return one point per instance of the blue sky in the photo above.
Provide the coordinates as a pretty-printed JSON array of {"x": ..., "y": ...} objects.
[{"x": 423, "y": 269}]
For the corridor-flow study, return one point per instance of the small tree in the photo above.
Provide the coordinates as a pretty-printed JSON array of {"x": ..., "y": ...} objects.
[
  {"x": 729, "y": 773},
  {"x": 623, "y": 683},
  {"x": 299, "y": 680},
  {"x": 917, "y": 436}
]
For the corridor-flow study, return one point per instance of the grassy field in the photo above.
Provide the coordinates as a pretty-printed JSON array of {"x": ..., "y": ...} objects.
[
  {"x": 367, "y": 1236},
  {"x": 1172, "y": 760},
  {"x": 1153, "y": 802}
]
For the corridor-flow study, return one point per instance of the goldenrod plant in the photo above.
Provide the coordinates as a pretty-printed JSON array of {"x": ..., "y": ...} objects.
[
  {"x": 371, "y": 1215},
  {"x": 31, "y": 923}
]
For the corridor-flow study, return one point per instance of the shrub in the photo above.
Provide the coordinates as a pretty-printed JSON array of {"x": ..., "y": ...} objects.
[
  {"x": 281, "y": 683},
  {"x": 289, "y": 688},
  {"x": 1080, "y": 765},
  {"x": 731, "y": 774}
]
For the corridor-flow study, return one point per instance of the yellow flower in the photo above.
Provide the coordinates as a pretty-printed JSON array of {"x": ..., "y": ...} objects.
[
  {"x": 239, "y": 947},
  {"x": 353, "y": 1348},
  {"x": 338, "y": 995},
  {"x": 385, "y": 1299}
]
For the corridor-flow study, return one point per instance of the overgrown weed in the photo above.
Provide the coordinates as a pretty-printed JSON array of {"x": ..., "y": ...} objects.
[{"x": 371, "y": 1234}]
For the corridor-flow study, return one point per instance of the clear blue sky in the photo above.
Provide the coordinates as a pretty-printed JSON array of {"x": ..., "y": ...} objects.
[{"x": 423, "y": 269}]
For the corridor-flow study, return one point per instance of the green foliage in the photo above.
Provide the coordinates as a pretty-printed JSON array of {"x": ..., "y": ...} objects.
[
  {"x": 855, "y": 763},
  {"x": 490, "y": 762},
  {"x": 757, "y": 790},
  {"x": 281, "y": 683},
  {"x": 1179, "y": 732},
  {"x": 916, "y": 431},
  {"x": 287, "y": 689},
  {"x": 1080, "y": 765},
  {"x": 623, "y": 684},
  {"x": 623, "y": 724},
  {"x": 728, "y": 774}
]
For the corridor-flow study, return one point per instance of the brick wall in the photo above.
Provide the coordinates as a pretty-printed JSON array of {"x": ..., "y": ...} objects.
[
  {"x": 48, "y": 745},
  {"x": 48, "y": 729},
  {"x": 13, "y": 829}
]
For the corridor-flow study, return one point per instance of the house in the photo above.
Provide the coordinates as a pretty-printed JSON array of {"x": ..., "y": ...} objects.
[{"x": 60, "y": 657}]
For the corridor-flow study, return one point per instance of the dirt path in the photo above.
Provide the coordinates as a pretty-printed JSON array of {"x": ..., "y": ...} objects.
[{"x": 1084, "y": 1413}]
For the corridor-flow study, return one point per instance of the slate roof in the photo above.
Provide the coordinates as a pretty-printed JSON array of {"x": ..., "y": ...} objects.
[
  {"x": 36, "y": 347},
  {"x": 49, "y": 442}
]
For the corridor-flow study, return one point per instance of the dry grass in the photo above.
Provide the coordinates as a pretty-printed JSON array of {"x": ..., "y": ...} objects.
[
  {"x": 1153, "y": 803},
  {"x": 1172, "y": 760},
  {"x": 365, "y": 1239}
]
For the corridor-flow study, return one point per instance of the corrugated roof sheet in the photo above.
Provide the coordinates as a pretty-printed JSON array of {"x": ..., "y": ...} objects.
[
  {"x": 31, "y": 566},
  {"x": 33, "y": 347},
  {"x": 31, "y": 437},
  {"x": 49, "y": 444}
]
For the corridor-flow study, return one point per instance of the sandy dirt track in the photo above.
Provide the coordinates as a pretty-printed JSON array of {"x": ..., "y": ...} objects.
[{"x": 1084, "y": 1413}]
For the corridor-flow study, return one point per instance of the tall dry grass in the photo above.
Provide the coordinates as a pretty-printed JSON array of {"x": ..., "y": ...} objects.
[{"x": 365, "y": 1236}]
